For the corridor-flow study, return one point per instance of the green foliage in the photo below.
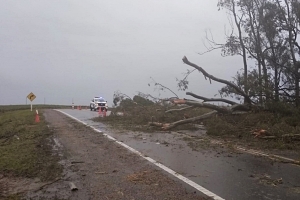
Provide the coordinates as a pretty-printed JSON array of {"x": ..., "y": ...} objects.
[
  {"x": 282, "y": 108},
  {"x": 125, "y": 103},
  {"x": 142, "y": 101}
]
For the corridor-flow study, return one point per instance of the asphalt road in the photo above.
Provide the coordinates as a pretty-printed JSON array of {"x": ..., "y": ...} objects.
[{"x": 230, "y": 175}]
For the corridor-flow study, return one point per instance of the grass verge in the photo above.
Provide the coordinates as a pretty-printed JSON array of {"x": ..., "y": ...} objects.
[
  {"x": 6, "y": 108},
  {"x": 25, "y": 149}
]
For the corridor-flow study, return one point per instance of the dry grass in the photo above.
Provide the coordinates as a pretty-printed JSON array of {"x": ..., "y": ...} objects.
[{"x": 144, "y": 177}]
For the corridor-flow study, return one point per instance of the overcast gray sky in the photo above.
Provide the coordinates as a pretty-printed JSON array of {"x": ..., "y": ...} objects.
[{"x": 67, "y": 49}]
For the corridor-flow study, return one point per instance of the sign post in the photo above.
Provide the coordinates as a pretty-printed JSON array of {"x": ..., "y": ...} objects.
[{"x": 31, "y": 97}]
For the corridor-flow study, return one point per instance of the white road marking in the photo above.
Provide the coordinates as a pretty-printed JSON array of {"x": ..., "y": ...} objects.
[
  {"x": 170, "y": 171},
  {"x": 260, "y": 153}
]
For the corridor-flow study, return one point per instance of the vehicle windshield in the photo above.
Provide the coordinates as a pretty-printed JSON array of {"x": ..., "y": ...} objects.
[{"x": 100, "y": 100}]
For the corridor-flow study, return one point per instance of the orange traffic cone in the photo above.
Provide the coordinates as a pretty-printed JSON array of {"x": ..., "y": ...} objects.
[
  {"x": 37, "y": 117},
  {"x": 100, "y": 113}
]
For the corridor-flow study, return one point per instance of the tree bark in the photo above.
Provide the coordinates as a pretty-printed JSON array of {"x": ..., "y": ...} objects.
[
  {"x": 179, "y": 109},
  {"x": 169, "y": 126},
  {"x": 234, "y": 86},
  {"x": 202, "y": 105},
  {"x": 244, "y": 54},
  {"x": 216, "y": 109},
  {"x": 210, "y": 99}
]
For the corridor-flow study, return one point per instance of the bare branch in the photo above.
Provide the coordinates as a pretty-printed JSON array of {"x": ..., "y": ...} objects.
[
  {"x": 164, "y": 87},
  {"x": 203, "y": 105},
  {"x": 212, "y": 44},
  {"x": 210, "y": 99},
  {"x": 179, "y": 109},
  {"x": 209, "y": 50},
  {"x": 238, "y": 90}
]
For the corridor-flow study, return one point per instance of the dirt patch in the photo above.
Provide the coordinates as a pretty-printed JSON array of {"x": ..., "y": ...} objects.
[
  {"x": 17, "y": 185},
  {"x": 101, "y": 169},
  {"x": 145, "y": 177}
]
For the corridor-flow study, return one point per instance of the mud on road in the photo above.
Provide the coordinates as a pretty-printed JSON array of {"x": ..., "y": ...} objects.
[{"x": 101, "y": 169}]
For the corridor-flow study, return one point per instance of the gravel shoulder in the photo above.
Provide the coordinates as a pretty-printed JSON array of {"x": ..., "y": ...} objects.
[{"x": 101, "y": 169}]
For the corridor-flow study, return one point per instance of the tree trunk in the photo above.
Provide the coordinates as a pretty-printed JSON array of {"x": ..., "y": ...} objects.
[{"x": 244, "y": 54}]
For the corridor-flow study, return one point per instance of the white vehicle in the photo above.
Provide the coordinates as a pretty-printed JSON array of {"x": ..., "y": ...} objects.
[{"x": 98, "y": 103}]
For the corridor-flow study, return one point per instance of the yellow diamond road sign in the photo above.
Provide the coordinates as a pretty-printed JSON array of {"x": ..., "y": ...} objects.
[{"x": 31, "y": 96}]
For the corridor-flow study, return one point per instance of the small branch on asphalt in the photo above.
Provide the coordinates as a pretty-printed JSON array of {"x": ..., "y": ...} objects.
[
  {"x": 75, "y": 162},
  {"x": 40, "y": 188}
]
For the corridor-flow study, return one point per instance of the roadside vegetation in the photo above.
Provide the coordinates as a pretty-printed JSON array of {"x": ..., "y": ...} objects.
[{"x": 25, "y": 148}]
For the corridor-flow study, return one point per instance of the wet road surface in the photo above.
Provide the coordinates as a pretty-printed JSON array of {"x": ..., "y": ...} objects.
[{"x": 227, "y": 174}]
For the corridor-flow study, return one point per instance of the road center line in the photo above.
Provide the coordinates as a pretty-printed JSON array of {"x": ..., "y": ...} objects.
[{"x": 165, "y": 168}]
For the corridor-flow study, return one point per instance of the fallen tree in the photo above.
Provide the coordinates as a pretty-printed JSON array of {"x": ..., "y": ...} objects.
[
  {"x": 232, "y": 107},
  {"x": 167, "y": 126}
]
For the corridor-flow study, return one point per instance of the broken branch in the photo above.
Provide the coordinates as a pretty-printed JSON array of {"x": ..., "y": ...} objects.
[
  {"x": 185, "y": 121},
  {"x": 210, "y": 99},
  {"x": 203, "y": 105},
  {"x": 238, "y": 90},
  {"x": 179, "y": 109}
]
